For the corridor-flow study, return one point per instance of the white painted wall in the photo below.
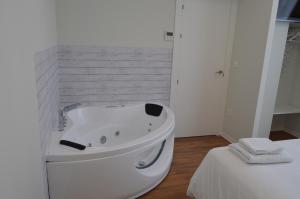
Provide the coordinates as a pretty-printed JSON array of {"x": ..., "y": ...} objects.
[
  {"x": 288, "y": 75},
  {"x": 289, "y": 89},
  {"x": 132, "y": 23},
  {"x": 292, "y": 123},
  {"x": 26, "y": 27},
  {"x": 278, "y": 123},
  {"x": 295, "y": 59},
  {"x": 289, "y": 86},
  {"x": 255, "y": 22}
]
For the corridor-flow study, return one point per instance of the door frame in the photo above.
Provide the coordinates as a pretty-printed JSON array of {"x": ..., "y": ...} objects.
[{"x": 175, "y": 77}]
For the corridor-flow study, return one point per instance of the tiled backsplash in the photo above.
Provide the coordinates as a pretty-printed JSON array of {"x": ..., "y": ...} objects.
[
  {"x": 46, "y": 63},
  {"x": 114, "y": 75}
]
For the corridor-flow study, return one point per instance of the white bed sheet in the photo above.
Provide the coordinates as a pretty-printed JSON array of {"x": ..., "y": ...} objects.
[{"x": 222, "y": 175}]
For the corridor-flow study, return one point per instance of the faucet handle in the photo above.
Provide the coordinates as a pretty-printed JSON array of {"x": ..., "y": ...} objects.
[{"x": 71, "y": 106}]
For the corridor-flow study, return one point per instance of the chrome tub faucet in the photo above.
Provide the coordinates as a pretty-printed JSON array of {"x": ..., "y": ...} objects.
[{"x": 61, "y": 115}]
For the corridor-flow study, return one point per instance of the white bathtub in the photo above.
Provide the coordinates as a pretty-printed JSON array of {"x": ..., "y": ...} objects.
[{"x": 127, "y": 152}]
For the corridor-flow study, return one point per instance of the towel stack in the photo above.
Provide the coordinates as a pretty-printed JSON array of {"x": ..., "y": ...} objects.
[{"x": 259, "y": 151}]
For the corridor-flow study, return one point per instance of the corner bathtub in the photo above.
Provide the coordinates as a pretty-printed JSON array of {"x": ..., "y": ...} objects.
[{"x": 128, "y": 151}]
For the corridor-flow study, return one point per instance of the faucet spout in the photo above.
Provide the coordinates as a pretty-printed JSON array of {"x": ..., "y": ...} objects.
[
  {"x": 61, "y": 115},
  {"x": 71, "y": 107}
]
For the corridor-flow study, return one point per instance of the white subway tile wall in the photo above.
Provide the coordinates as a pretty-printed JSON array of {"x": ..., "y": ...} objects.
[
  {"x": 114, "y": 75},
  {"x": 46, "y": 65},
  {"x": 47, "y": 79}
]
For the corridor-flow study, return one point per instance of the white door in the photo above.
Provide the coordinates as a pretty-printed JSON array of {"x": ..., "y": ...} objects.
[{"x": 202, "y": 50}]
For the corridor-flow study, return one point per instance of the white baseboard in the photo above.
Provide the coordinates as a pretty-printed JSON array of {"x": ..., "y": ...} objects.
[{"x": 228, "y": 137}]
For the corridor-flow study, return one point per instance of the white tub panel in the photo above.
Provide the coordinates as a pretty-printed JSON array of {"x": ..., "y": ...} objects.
[{"x": 107, "y": 178}]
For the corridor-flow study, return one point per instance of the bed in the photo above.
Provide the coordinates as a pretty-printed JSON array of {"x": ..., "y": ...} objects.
[{"x": 222, "y": 175}]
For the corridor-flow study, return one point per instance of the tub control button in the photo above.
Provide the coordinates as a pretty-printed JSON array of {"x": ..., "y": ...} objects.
[
  {"x": 117, "y": 133},
  {"x": 141, "y": 163},
  {"x": 103, "y": 139}
]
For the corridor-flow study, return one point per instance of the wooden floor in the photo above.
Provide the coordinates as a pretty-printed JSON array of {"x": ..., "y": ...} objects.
[
  {"x": 188, "y": 153},
  {"x": 281, "y": 135}
]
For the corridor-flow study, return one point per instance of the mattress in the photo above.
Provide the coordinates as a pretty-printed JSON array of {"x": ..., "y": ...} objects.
[{"x": 222, "y": 175}]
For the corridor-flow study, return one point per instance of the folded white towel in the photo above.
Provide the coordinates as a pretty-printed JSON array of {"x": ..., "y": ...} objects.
[
  {"x": 247, "y": 157},
  {"x": 258, "y": 146}
]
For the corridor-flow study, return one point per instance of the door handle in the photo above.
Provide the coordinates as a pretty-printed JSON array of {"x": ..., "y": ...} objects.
[{"x": 220, "y": 72}]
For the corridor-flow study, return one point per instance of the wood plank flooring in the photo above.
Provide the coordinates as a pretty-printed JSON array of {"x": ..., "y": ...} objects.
[
  {"x": 188, "y": 153},
  {"x": 281, "y": 135}
]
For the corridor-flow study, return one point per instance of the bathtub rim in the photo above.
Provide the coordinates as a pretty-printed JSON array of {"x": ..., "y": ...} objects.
[{"x": 58, "y": 153}]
